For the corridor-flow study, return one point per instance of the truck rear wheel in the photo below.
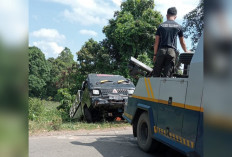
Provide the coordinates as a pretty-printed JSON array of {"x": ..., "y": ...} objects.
[
  {"x": 144, "y": 135},
  {"x": 134, "y": 127}
]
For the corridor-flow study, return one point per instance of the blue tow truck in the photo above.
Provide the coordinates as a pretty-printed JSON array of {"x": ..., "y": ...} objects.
[{"x": 169, "y": 110}]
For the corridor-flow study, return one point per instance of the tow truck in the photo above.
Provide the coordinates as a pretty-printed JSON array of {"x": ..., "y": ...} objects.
[{"x": 169, "y": 110}]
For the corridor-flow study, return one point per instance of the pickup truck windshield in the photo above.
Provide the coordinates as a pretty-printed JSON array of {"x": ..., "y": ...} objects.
[
  {"x": 123, "y": 81},
  {"x": 103, "y": 81},
  {"x": 109, "y": 80}
]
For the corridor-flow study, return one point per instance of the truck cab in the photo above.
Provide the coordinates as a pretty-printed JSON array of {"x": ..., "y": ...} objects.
[
  {"x": 170, "y": 110},
  {"x": 102, "y": 96}
]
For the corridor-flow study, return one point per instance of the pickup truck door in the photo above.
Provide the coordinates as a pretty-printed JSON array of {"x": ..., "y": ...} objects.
[{"x": 75, "y": 106}]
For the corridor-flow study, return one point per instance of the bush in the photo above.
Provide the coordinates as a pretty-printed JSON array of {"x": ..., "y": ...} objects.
[
  {"x": 50, "y": 98},
  {"x": 66, "y": 100},
  {"x": 35, "y": 109},
  {"x": 44, "y": 115}
]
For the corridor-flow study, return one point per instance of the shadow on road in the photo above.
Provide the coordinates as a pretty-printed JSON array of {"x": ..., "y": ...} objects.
[{"x": 123, "y": 146}]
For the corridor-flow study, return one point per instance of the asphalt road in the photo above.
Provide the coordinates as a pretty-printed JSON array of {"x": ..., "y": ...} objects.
[{"x": 97, "y": 143}]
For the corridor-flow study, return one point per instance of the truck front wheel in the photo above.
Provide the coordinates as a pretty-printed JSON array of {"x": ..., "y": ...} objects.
[
  {"x": 144, "y": 135},
  {"x": 87, "y": 115}
]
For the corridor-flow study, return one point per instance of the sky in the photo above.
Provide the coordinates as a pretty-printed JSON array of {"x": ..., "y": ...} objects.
[{"x": 56, "y": 24}]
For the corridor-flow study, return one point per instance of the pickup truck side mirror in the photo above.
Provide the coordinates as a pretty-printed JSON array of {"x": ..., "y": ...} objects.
[
  {"x": 83, "y": 85},
  {"x": 79, "y": 94}
]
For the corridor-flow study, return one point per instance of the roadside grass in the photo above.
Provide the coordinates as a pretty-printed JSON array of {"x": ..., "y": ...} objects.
[
  {"x": 90, "y": 126},
  {"x": 50, "y": 104},
  {"x": 45, "y": 117},
  {"x": 35, "y": 127}
]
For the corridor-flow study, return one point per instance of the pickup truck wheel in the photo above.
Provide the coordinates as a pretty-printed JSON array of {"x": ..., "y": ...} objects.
[
  {"x": 144, "y": 135},
  {"x": 87, "y": 114}
]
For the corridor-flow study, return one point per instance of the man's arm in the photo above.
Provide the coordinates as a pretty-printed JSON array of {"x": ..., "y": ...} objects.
[
  {"x": 156, "y": 45},
  {"x": 157, "y": 38},
  {"x": 183, "y": 45}
]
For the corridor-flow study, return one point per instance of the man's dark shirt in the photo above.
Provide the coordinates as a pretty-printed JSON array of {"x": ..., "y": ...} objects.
[{"x": 168, "y": 32}]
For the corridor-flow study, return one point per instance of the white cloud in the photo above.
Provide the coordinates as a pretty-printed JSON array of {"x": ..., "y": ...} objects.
[
  {"x": 49, "y": 41},
  {"x": 88, "y": 32},
  {"x": 50, "y": 49},
  {"x": 117, "y": 2},
  {"x": 183, "y": 6},
  {"x": 88, "y": 12},
  {"x": 48, "y": 34}
]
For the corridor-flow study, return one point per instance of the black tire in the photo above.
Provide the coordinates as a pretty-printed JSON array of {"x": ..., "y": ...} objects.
[
  {"x": 134, "y": 127},
  {"x": 144, "y": 135},
  {"x": 87, "y": 115}
]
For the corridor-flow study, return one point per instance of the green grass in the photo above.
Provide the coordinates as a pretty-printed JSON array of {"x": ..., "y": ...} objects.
[
  {"x": 50, "y": 119},
  {"x": 50, "y": 104},
  {"x": 90, "y": 126},
  {"x": 67, "y": 126}
]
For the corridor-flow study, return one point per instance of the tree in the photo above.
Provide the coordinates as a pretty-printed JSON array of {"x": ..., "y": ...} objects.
[
  {"x": 145, "y": 59},
  {"x": 193, "y": 24},
  {"x": 66, "y": 57},
  {"x": 94, "y": 58},
  {"x": 64, "y": 62},
  {"x": 54, "y": 77},
  {"x": 87, "y": 57},
  {"x": 47, "y": 76},
  {"x": 39, "y": 72},
  {"x": 132, "y": 32},
  {"x": 62, "y": 72}
]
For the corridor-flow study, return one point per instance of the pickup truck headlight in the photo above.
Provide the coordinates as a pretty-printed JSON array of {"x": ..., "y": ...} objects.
[
  {"x": 96, "y": 92},
  {"x": 130, "y": 91}
]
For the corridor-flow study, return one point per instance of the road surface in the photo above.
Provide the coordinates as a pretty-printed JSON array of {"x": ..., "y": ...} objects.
[{"x": 96, "y": 143}]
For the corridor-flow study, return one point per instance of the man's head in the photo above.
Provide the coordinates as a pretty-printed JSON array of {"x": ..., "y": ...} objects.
[{"x": 171, "y": 13}]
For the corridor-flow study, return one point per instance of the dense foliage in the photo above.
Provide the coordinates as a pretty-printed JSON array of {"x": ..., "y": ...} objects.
[
  {"x": 39, "y": 72},
  {"x": 93, "y": 58},
  {"x": 35, "y": 108},
  {"x": 62, "y": 72},
  {"x": 131, "y": 32},
  {"x": 194, "y": 24},
  {"x": 47, "y": 76}
]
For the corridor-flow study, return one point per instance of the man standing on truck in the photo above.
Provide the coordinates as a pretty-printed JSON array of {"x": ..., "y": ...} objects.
[{"x": 165, "y": 45}]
